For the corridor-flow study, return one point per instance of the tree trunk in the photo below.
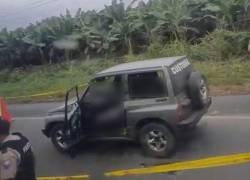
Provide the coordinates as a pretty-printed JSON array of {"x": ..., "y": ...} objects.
[
  {"x": 130, "y": 48},
  {"x": 51, "y": 55},
  {"x": 67, "y": 54},
  {"x": 43, "y": 60}
]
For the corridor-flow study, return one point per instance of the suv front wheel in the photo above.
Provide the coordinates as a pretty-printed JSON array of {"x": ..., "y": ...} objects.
[
  {"x": 57, "y": 138},
  {"x": 157, "y": 140}
]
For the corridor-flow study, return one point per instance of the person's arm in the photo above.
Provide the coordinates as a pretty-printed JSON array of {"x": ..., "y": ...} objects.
[{"x": 8, "y": 164}]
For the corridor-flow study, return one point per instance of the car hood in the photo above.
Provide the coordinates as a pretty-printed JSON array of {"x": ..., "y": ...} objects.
[{"x": 61, "y": 109}]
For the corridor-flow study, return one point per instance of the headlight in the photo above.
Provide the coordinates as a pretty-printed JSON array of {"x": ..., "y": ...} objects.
[{"x": 70, "y": 108}]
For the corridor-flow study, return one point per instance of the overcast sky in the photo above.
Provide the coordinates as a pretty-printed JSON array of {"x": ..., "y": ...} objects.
[{"x": 16, "y": 13}]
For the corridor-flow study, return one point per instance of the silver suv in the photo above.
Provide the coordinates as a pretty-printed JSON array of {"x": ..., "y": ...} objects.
[{"x": 149, "y": 101}]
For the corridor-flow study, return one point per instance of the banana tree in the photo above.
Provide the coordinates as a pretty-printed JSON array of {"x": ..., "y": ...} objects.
[
  {"x": 86, "y": 32},
  {"x": 11, "y": 48},
  {"x": 57, "y": 30},
  {"x": 226, "y": 11},
  {"x": 121, "y": 29},
  {"x": 243, "y": 19},
  {"x": 171, "y": 16},
  {"x": 35, "y": 48},
  {"x": 202, "y": 19},
  {"x": 142, "y": 22}
]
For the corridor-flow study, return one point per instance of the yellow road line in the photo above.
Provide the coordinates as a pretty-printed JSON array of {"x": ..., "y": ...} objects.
[
  {"x": 37, "y": 95},
  {"x": 83, "y": 177},
  {"x": 51, "y": 93},
  {"x": 187, "y": 165}
]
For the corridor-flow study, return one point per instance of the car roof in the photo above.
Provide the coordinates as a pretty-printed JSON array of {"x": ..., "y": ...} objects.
[{"x": 140, "y": 65}]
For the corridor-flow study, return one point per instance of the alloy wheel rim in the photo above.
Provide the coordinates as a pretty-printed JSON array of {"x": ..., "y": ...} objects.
[
  {"x": 59, "y": 139},
  {"x": 203, "y": 90},
  {"x": 156, "y": 140}
]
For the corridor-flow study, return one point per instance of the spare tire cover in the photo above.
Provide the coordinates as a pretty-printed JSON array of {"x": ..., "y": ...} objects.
[{"x": 198, "y": 90}]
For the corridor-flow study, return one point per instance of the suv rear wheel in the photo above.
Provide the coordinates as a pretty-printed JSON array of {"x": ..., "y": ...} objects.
[{"x": 157, "y": 140}]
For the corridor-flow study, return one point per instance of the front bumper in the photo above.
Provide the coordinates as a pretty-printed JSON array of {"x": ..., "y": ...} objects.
[{"x": 195, "y": 117}]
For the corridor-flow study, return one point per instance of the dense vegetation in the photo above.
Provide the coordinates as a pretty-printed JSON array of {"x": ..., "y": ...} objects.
[{"x": 158, "y": 27}]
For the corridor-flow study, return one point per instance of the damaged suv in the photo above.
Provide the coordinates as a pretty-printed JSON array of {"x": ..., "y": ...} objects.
[{"x": 149, "y": 101}]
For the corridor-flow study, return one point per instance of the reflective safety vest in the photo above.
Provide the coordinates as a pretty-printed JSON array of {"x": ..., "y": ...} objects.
[{"x": 19, "y": 146}]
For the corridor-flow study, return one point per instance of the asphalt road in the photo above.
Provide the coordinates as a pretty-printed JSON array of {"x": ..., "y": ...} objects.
[{"x": 224, "y": 130}]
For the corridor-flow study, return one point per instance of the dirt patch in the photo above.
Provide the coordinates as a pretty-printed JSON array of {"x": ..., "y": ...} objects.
[{"x": 229, "y": 90}]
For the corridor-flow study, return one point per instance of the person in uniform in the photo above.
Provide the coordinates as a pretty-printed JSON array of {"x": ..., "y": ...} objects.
[{"x": 16, "y": 155}]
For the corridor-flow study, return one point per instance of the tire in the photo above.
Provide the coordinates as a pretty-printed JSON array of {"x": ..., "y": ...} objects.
[
  {"x": 198, "y": 90},
  {"x": 153, "y": 146},
  {"x": 56, "y": 132}
]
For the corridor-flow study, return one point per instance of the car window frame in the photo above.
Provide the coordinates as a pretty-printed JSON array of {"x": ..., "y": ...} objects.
[
  {"x": 122, "y": 81},
  {"x": 164, "y": 78}
]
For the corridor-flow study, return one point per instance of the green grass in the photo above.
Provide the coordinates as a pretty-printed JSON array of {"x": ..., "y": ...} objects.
[
  {"x": 228, "y": 73},
  {"x": 63, "y": 76},
  {"x": 48, "y": 78}
]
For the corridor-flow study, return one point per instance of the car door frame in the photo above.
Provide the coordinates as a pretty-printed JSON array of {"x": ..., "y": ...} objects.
[{"x": 72, "y": 136}]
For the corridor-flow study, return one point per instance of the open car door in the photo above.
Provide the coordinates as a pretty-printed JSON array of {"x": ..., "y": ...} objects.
[{"x": 72, "y": 124}]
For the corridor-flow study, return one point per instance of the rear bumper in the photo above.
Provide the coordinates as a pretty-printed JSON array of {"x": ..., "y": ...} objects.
[{"x": 195, "y": 117}]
